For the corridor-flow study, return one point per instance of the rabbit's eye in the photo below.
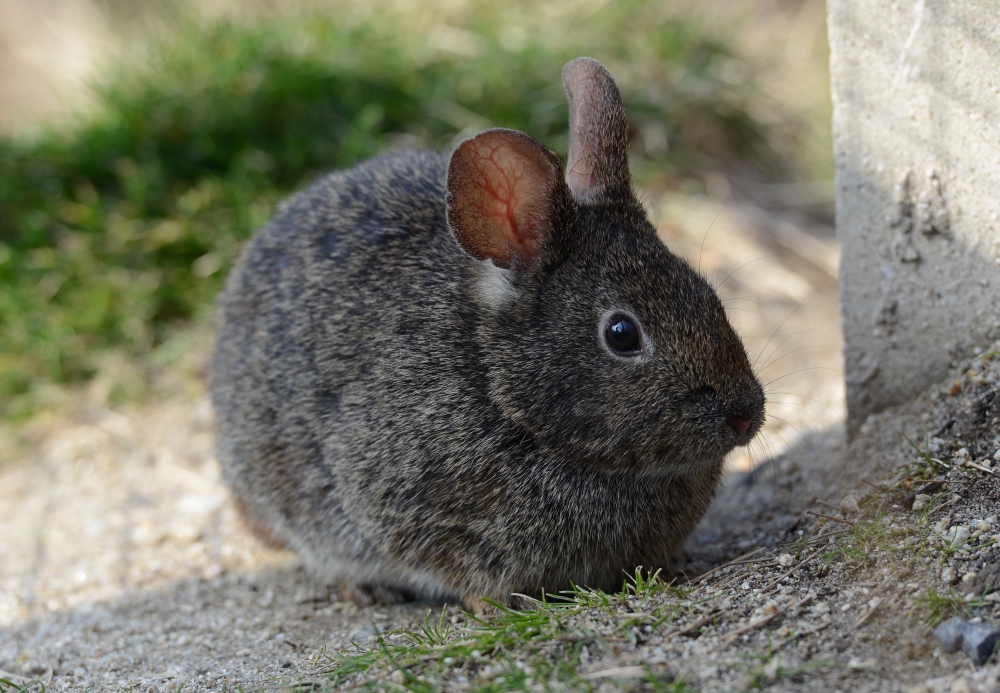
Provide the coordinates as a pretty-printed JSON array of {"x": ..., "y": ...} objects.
[{"x": 622, "y": 335}]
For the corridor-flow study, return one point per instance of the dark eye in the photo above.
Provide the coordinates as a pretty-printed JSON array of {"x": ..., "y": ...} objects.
[{"x": 622, "y": 335}]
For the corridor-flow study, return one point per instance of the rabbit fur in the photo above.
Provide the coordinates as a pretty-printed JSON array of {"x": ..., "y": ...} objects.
[{"x": 414, "y": 387}]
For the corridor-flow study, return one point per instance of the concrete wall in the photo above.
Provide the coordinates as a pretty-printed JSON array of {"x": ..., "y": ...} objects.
[{"x": 916, "y": 93}]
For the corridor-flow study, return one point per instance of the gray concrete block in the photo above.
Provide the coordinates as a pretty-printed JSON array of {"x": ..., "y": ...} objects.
[{"x": 916, "y": 94}]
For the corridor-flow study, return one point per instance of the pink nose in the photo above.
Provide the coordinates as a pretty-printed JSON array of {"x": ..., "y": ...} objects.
[{"x": 738, "y": 423}]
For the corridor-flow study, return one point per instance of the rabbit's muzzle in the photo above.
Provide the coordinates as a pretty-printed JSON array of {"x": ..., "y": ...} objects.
[{"x": 742, "y": 421}]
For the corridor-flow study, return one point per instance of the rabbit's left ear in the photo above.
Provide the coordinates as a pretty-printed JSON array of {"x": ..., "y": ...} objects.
[
  {"x": 506, "y": 197},
  {"x": 597, "y": 167}
]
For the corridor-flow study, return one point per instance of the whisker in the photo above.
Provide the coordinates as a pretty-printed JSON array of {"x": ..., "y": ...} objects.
[
  {"x": 773, "y": 360},
  {"x": 747, "y": 310},
  {"x": 701, "y": 252},
  {"x": 800, "y": 370},
  {"x": 763, "y": 257},
  {"x": 740, "y": 298},
  {"x": 796, "y": 394},
  {"x": 779, "y": 328},
  {"x": 819, "y": 416},
  {"x": 756, "y": 480},
  {"x": 787, "y": 423},
  {"x": 784, "y": 443},
  {"x": 770, "y": 452},
  {"x": 790, "y": 335}
]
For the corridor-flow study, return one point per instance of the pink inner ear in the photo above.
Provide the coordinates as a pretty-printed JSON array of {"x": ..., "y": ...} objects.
[
  {"x": 500, "y": 184},
  {"x": 598, "y": 139},
  {"x": 585, "y": 141}
]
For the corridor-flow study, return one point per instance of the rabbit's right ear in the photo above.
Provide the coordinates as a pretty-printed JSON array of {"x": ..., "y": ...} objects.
[{"x": 506, "y": 197}]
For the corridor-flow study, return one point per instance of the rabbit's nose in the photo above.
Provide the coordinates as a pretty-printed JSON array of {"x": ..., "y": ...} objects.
[{"x": 738, "y": 423}]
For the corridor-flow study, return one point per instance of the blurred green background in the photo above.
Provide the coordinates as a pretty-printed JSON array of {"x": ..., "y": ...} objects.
[{"x": 118, "y": 225}]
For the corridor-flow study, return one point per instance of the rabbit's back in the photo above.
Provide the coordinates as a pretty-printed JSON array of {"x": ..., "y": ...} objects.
[{"x": 321, "y": 333}]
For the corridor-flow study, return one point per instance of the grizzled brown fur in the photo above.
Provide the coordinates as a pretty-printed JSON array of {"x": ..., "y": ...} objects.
[{"x": 431, "y": 409}]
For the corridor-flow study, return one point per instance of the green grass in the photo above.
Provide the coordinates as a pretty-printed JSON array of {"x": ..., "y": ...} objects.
[
  {"x": 8, "y": 686},
  {"x": 539, "y": 648},
  {"x": 940, "y": 607},
  {"x": 119, "y": 231},
  {"x": 926, "y": 467},
  {"x": 863, "y": 541},
  {"x": 542, "y": 648}
]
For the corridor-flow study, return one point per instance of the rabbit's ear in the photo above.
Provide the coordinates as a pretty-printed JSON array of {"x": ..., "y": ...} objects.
[
  {"x": 506, "y": 197},
  {"x": 597, "y": 167}
]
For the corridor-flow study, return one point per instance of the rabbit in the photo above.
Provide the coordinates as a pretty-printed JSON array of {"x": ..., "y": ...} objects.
[{"x": 472, "y": 376}]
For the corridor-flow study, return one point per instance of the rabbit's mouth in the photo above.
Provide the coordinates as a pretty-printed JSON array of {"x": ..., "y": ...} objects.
[
  {"x": 741, "y": 427},
  {"x": 727, "y": 419}
]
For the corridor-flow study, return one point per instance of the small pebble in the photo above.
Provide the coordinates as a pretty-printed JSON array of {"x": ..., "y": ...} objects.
[
  {"x": 960, "y": 685},
  {"x": 362, "y": 634},
  {"x": 948, "y": 575},
  {"x": 959, "y": 536},
  {"x": 977, "y": 640},
  {"x": 785, "y": 560}
]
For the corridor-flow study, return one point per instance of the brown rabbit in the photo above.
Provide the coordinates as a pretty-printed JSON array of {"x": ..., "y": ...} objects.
[{"x": 468, "y": 375}]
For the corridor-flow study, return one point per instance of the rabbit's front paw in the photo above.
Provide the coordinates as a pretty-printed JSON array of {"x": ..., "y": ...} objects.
[
  {"x": 374, "y": 593},
  {"x": 482, "y": 606}
]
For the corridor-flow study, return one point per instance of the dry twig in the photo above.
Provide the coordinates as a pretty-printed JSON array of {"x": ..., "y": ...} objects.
[
  {"x": 829, "y": 505},
  {"x": 942, "y": 506},
  {"x": 823, "y": 537},
  {"x": 691, "y": 627},
  {"x": 628, "y": 672},
  {"x": 830, "y": 517},
  {"x": 981, "y": 468},
  {"x": 811, "y": 631},
  {"x": 868, "y": 614},
  {"x": 735, "y": 561}
]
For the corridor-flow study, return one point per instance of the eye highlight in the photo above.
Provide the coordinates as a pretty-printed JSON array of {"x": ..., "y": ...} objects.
[{"x": 622, "y": 336}]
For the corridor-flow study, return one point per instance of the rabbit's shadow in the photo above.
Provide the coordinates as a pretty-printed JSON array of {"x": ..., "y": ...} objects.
[{"x": 765, "y": 507}]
